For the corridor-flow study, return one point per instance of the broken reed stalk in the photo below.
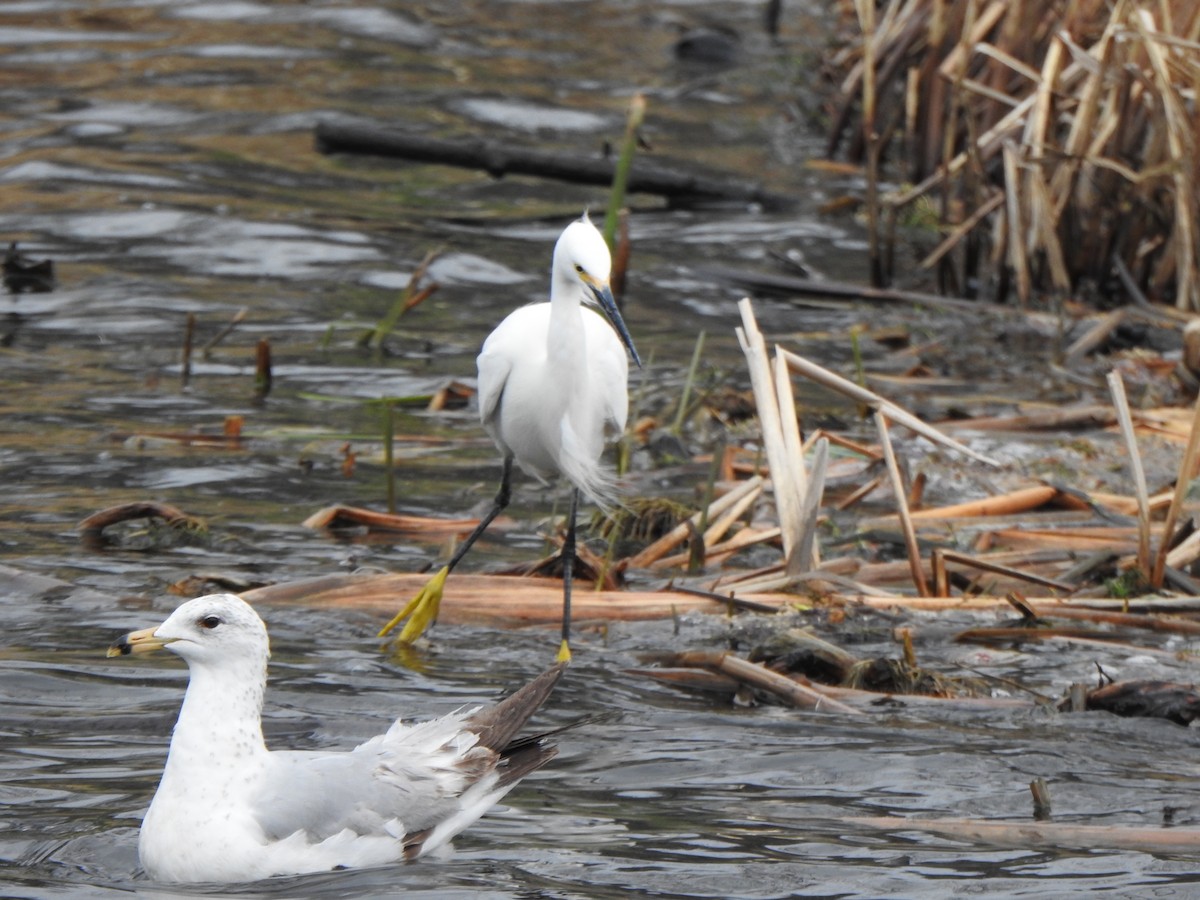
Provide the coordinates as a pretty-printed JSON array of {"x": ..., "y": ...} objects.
[
  {"x": 1183, "y": 480},
  {"x": 1014, "y": 241},
  {"x": 411, "y": 297},
  {"x": 762, "y": 382},
  {"x": 616, "y": 198},
  {"x": 697, "y": 546},
  {"x": 262, "y": 369},
  {"x": 789, "y": 422},
  {"x": 620, "y": 258},
  {"x": 1012, "y": 503},
  {"x": 719, "y": 528},
  {"x": 389, "y": 455},
  {"x": 1116, "y": 387},
  {"x": 1185, "y": 553},
  {"x": 875, "y": 402},
  {"x": 942, "y": 556},
  {"x": 795, "y": 693},
  {"x": 906, "y": 525},
  {"x": 806, "y": 556},
  {"x": 1094, "y": 336},
  {"x": 238, "y": 318},
  {"x": 185, "y": 359},
  {"x": 719, "y": 551},
  {"x": 865, "y": 10},
  {"x": 680, "y": 532},
  {"x": 1181, "y": 145}
]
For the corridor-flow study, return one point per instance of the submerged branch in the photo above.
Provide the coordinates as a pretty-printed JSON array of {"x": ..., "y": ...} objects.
[{"x": 499, "y": 159}]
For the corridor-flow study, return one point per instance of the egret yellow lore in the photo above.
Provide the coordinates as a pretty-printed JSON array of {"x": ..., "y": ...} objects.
[
  {"x": 553, "y": 391},
  {"x": 229, "y": 810}
]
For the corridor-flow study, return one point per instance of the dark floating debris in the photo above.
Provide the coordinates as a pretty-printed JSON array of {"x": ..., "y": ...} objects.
[
  {"x": 23, "y": 275},
  {"x": 711, "y": 46},
  {"x": 1176, "y": 702}
]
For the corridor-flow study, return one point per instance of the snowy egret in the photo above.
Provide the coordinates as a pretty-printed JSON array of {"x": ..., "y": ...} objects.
[
  {"x": 228, "y": 809},
  {"x": 552, "y": 392}
]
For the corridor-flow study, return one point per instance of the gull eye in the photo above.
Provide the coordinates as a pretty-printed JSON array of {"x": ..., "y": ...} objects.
[{"x": 210, "y": 622}]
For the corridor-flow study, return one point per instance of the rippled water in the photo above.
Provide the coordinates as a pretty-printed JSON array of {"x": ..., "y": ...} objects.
[{"x": 162, "y": 155}]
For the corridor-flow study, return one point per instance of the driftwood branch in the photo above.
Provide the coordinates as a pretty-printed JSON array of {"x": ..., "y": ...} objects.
[
  {"x": 499, "y": 159},
  {"x": 1043, "y": 835}
]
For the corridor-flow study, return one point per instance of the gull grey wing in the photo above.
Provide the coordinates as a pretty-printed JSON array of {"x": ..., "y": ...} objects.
[{"x": 393, "y": 783}]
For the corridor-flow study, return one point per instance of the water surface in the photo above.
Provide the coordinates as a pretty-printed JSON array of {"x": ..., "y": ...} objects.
[{"x": 162, "y": 155}]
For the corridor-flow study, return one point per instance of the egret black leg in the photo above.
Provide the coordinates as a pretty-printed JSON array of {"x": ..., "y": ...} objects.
[
  {"x": 503, "y": 497},
  {"x": 568, "y": 558},
  {"x": 422, "y": 610}
]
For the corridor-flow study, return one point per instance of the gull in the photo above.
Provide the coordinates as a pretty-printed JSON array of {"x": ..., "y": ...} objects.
[{"x": 229, "y": 810}]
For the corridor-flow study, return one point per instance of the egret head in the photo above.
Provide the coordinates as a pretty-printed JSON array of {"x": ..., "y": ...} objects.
[{"x": 581, "y": 258}]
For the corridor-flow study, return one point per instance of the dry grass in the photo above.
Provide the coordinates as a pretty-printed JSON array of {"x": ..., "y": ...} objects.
[{"x": 1056, "y": 141}]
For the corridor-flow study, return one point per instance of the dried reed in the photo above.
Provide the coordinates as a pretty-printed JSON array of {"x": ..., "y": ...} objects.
[{"x": 1056, "y": 141}]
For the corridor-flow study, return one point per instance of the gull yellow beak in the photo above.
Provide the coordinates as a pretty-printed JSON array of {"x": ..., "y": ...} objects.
[{"x": 142, "y": 641}]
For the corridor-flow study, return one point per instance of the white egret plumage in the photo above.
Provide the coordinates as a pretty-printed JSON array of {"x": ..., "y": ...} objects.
[
  {"x": 228, "y": 809},
  {"x": 553, "y": 390}
]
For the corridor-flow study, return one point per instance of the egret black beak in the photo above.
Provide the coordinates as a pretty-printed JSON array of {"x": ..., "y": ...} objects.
[
  {"x": 604, "y": 298},
  {"x": 143, "y": 641}
]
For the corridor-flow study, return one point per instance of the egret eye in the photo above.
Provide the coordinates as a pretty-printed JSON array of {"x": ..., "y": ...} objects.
[
  {"x": 210, "y": 622},
  {"x": 579, "y": 268}
]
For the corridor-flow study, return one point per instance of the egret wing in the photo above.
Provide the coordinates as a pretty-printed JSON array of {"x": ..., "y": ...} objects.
[
  {"x": 503, "y": 347},
  {"x": 606, "y": 354},
  {"x": 493, "y": 375}
]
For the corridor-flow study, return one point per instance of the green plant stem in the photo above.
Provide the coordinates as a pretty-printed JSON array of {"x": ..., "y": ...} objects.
[
  {"x": 616, "y": 199},
  {"x": 677, "y": 427}
]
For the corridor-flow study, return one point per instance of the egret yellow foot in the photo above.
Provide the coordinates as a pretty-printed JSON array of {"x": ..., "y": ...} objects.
[
  {"x": 421, "y": 611},
  {"x": 564, "y": 652}
]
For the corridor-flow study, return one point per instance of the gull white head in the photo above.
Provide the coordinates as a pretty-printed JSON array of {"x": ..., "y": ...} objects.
[
  {"x": 583, "y": 264},
  {"x": 204, "y": 630}
]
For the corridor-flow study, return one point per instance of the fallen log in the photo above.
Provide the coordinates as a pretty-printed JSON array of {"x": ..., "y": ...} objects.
[{"x": 499, "y": 159}]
